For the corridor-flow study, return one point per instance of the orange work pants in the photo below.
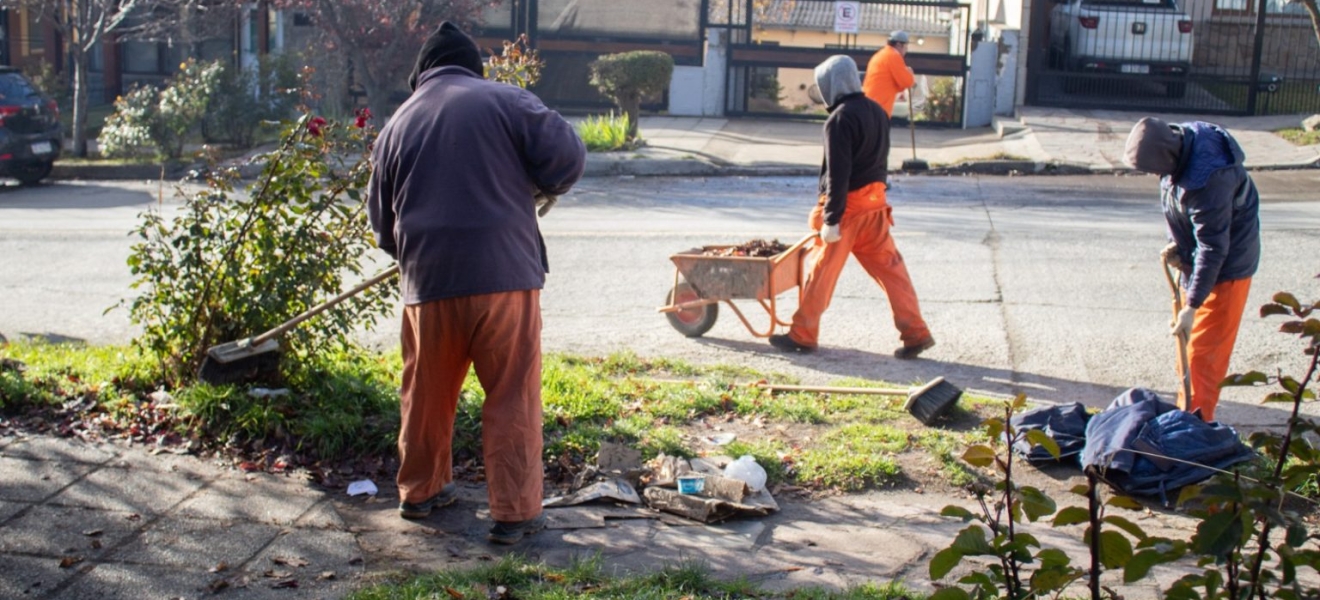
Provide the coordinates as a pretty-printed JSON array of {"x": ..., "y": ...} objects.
[
  {"x": 499, "y": 336},
  {"x": 1209, "y": 347},
  {"x": 864, "y": 231}
]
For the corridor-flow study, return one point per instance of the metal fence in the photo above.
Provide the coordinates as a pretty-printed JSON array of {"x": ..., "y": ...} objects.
[
  {"x": 570, "y": 34},
  {"x": 1203, "y": 56},
  {"x": 774, "y": 46}
]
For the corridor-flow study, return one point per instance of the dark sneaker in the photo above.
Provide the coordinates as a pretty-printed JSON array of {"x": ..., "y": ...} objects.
[
  {"x": 446, "y": 496},
  {"x": 915, "y": 350},
  {"x": 786, "y": 343},
  {"x": 505, "y": 532}
]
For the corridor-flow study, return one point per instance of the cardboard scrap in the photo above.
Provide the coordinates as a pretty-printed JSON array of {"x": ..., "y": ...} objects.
[
  {"x": 707, "y": 509},
  {"x": 615, "y": 457},
  {"x": 612, "y": 489}
]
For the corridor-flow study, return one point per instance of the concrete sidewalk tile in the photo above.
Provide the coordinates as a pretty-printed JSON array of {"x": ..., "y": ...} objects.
[
  {"x": 67, "y": 531},
  {"x": 321, "y": 516},
  {"x": 58, "y": 449},
  {"x": 201, "y": 543},
  {"x": 33, "y": 480},
  {"x": 9, "y": 509},
  {"x": 264, "y": 498},
  {"x": 30, "y": 577},
  {"x": 630, "y": 535},
  {"x": 849, "y": 547},
  {"x": 315, "y": 558},
  {"x": 115, "y": 581},
  {"x": 183, "y": 465},
  {"x": 131, "y": 490}
]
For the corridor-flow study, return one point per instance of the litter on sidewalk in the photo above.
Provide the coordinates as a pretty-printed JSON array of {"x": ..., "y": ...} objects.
[{"x": 701, "y": 489}]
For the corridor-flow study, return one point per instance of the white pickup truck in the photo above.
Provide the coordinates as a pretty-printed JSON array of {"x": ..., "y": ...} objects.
[{"x": 1141, "y": 38}]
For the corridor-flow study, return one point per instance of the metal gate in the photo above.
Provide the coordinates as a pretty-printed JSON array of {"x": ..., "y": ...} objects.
[
  {"x": 1240, "y": 57},
  {"x": 570, "y": 34},
  {"x": 774, "y": 46}
]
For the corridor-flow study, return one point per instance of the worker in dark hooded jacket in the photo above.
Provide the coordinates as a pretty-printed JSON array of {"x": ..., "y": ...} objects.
[
  {"x": 1211, "y": 207},
  {"x": 852, "y": 215},
  {"x": 456, "y": 176}
]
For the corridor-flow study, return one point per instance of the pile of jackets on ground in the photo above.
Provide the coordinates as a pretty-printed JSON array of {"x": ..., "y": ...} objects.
[{"x": 1141, "y": 444}]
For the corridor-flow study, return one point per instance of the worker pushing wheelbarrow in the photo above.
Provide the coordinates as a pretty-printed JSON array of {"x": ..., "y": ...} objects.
[{"x": 704, "y": 277}]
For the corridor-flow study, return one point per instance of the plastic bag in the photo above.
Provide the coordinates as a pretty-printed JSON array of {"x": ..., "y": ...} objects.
[{"x": 746, "y": 469}]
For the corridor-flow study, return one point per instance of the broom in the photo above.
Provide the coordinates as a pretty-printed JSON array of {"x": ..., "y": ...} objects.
[
  {"x": 249, "y": 358},
  {"x": 926, "y": 403},
  {"x": 916, "y": 164}
]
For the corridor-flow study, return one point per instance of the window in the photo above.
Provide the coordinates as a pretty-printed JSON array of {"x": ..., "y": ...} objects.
[
  {"x": 96, "y": 58},
  {"x": 141, "y": 57},
  {"x": 1248, "y": 7},
  {"x": 34, "y": 32},
  {"x": 302, "y": 19}
]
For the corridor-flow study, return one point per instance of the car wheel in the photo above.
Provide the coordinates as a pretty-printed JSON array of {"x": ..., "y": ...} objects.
[
  {"x": 1175, "y": 89},
  {"x": 30, "y": 173}
]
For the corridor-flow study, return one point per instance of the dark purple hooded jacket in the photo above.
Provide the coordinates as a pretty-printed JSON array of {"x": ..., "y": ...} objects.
[{"x": 454, "y": 174}]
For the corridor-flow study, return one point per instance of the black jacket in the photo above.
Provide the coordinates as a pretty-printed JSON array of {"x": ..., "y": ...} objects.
[{"x": 856, "y": 151}]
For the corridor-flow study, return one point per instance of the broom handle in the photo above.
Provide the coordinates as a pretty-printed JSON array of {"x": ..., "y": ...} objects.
[
  {"x": 776, "y": 387},
  {"x": 1182, "y": 341},
  {"x": 912, "y": 124},
  {"x": 320, "y": 308}
]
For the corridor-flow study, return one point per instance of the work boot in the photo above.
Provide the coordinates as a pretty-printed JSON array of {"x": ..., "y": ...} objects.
[
  {"x": 446, "y": 496},
  {"x": 787, "y": 344},
  {"x": 915, "y": 350},
  {"x": 512, "y": 532}
]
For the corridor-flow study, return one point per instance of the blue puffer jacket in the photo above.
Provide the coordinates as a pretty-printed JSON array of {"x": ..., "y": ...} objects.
[
  {"x": 1212, "y": 209},
  {"x": 1146, "y": 446}
]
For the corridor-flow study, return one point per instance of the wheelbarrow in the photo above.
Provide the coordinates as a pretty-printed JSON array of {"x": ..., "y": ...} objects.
[{"x": 703, "y": 279}]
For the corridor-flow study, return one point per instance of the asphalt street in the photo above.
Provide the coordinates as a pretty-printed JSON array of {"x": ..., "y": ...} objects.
[{"x": 1048, "y": 286}]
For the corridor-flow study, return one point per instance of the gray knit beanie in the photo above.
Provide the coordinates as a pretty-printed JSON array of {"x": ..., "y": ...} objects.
[{"x": 1153, "y": 147}]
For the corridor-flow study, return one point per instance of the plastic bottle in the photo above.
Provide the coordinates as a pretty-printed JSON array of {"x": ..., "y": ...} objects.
[{"x": 746, "y": 469}]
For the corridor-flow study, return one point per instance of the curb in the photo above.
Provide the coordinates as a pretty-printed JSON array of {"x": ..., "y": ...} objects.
[{"x": 599, "y": 165}]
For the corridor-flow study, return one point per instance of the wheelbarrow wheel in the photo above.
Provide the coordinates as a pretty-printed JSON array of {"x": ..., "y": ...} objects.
[{"x": 691, "y": 322}]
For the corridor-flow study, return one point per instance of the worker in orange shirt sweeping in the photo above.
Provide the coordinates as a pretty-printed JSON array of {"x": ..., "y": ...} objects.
[{"x": 887, "y": 73}]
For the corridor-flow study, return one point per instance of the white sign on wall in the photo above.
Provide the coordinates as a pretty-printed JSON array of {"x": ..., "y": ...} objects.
[{"x": 847, "y": 16}]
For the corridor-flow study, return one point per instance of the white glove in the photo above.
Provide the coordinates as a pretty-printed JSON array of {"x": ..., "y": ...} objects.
[
  {"x": 1170, "y": 255},
  {"x": 544, "y": 202},
  {"x": 830, "y": 234},
  {"x": 1182, "y": 324}
]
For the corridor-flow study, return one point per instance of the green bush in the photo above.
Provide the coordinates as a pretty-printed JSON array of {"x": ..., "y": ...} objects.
[
  {"x": 942, "y": 102},
  {"x": 148, "y": 120},
  {"x": 250, "y": 100},
  {"x": 604, "y": 133},
  {"x": 629, "y": 77},
  {"x": 230, "y": 265}
]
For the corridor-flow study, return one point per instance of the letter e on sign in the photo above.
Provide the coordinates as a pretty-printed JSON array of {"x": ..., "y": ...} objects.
[{"x": 847, "y": 16}]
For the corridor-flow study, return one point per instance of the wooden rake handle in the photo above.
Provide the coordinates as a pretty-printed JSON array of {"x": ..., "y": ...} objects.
[
  {"x": 320, "y": 308},
  {"x": 778, "y": 387},
  {"x": 1186, "y": 377}
]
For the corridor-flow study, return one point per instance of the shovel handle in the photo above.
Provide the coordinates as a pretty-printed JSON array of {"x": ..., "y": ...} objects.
[
  {"x": 1184, "y": 376},
  {"x": 777, "y": 387},
  {"x": 320, "y": 308}
]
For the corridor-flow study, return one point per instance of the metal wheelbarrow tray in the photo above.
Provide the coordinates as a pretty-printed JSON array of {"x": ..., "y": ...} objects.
[{"x": 702, "y": 281}]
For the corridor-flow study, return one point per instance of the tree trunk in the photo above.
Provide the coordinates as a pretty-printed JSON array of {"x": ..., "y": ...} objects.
[
  {"x": 80, "y": 91},
  {"x": 378, "y": 92},
  {"x": 631, "y": 107}
]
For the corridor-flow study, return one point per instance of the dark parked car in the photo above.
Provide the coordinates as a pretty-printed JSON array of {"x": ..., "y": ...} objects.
[{"x": 30, "y": 136}]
